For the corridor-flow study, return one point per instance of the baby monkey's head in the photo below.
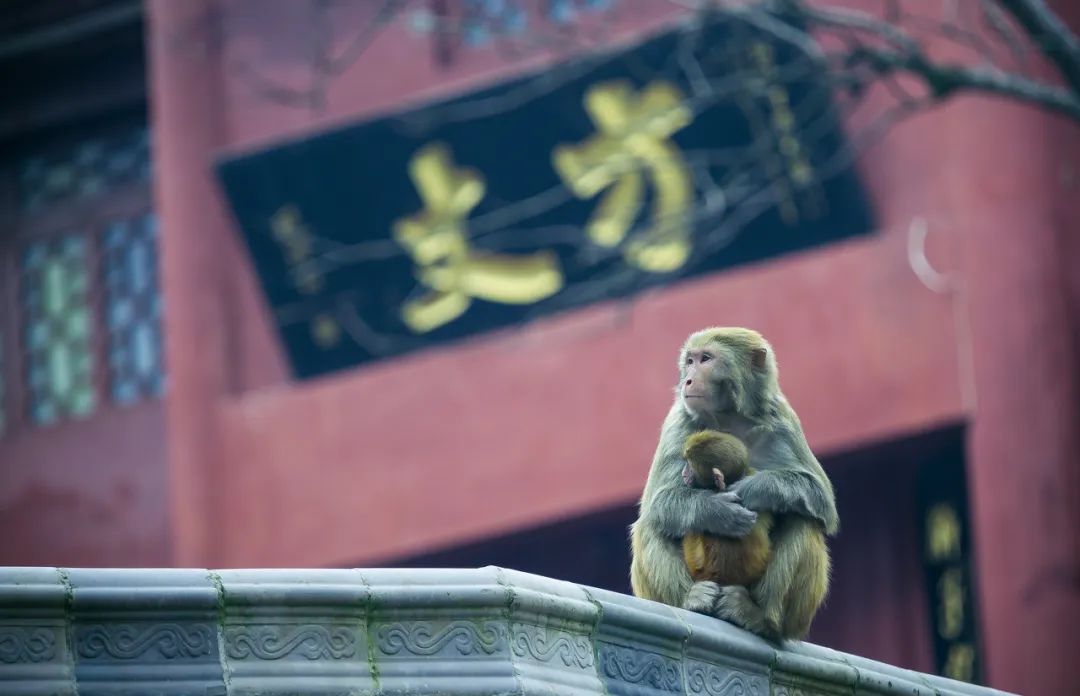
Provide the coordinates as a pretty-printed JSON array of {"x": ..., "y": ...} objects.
[{"x": 714, "y": 459}]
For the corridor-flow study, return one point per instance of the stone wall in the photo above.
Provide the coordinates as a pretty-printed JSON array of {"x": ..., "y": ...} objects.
[{"x": 391, "y": 631}]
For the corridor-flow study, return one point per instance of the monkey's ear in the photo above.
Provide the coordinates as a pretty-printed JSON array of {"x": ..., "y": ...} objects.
[{"x": 757, "y": 358}]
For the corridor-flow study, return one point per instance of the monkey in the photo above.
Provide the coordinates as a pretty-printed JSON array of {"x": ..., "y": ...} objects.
[
  {"x": 729, "y": 381},
  {"x": 713, "y": 460}
]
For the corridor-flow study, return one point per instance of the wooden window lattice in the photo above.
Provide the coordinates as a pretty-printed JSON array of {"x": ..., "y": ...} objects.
[
  {"x": 57, "y": 329},
  {"x": 133, "y": 309},
  {"x": 88, "y": 168}
]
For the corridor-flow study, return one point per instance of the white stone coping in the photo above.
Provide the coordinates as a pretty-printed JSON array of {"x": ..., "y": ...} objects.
[{"x": 388, "y": 631}]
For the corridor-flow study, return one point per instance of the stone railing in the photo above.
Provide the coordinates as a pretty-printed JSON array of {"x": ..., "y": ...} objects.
[{"x": 487, "y": 631}]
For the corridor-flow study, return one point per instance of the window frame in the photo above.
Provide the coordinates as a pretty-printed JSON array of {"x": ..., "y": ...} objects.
[{"x": 91, "y": 217}]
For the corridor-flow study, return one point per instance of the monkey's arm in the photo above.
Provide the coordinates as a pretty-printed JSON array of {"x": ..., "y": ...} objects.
[
  {"x": 676, "y": 510},
  {"x": 784, "y": 483}
]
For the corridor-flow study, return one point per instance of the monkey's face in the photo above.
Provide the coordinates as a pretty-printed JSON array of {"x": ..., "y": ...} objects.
[
  {"x": 705, "y": 377},
  {"x": 722, "y": 370}
]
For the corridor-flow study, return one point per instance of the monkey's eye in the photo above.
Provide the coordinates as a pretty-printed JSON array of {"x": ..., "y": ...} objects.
[
  {"x": 689, "y": 361},
  {"x": 705, "y": 357}
]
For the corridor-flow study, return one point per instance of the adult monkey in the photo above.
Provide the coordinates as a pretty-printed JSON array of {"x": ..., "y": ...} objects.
[{"x": 728, "y": 381}]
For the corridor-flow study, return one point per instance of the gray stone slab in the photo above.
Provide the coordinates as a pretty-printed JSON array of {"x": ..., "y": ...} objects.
[
  {"x": 144, "y": 631},
  {"x": 873, "y": 677},
  {"x": 289, "y": 632},
  {"x": 432, "y": 651},
  {"x": 721, "y": 659},
  {"x": 809, "y": 674},
  {"x": 551, "y": 635},
  {"x": 35, "y": 656},
  {"x": 639, "y": 645},
  {"x": 434, "y": 632}
]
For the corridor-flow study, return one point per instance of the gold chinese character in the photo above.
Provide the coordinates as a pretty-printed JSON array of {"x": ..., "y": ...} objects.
[
  {"x": 295, "y": 239},
  {"x": 435, "y": 238},
  {"x": 951, "y": 607},
  {"x": 793, "y": 155},
  {"x": 288, "y": 228},
  {"x": 325, "y": 331},
  {"x": 942, "y": 533},
  {"x": 762, "y": 54},
  {"x": 632, "y": 134},
  {"x": 960, "y": 662}
]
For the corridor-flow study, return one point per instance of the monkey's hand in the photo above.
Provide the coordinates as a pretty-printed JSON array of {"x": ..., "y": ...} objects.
[
  {"x": 677, "y": 509},
  {"x": 729, "y": 516},
  {"x": 702, "y": 597},
  {"x": 787, "y": 492}
]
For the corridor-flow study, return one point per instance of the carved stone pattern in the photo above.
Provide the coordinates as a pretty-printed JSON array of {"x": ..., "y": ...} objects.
[
  {"x": 543, "y": 644},
  {"x": 26, "y": 644},
  {"x": 785, "y": 690},
  {"x": 637, "y": 667},
  {"x": 708, "y": 679},
  {"x": 126, "y": 642},
  {"x": 421, "y": 639},
  {"x": 275, "y": 642}
]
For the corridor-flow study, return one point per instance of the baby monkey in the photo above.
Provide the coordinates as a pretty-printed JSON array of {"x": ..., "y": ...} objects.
[{"x": 714, "y": 460}]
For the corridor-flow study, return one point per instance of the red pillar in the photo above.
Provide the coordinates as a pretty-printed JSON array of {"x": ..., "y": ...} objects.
[
  {"x": 186, "y": 111},
  {"x": 1011, "y": 188}
]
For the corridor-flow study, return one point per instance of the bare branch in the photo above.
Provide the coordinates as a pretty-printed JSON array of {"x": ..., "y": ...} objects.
[
  {"x": 946, "y": 80},
  {"x": 1055, "y": 39},
  {"x": 1000, "y": 26},
  {"x": 905, "y": 55}
]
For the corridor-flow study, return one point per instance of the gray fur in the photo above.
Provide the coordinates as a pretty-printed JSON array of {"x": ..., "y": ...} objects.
[{"x": 789, "y": 478}]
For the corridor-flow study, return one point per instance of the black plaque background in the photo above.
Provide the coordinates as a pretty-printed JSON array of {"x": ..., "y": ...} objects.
[
  {"x": 943, "y": 479},
  {"x": 351, "y": 184}
]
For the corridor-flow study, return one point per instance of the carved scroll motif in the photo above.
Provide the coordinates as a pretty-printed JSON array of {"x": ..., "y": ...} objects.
[
  {"x": 275, "y": 642},
  {"x": 26, "y": 644}
]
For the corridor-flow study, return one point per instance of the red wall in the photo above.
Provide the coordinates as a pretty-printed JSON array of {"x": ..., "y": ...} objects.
[
  {"x": 263, "y": 472},
  {"x": 87, "y": 493}
]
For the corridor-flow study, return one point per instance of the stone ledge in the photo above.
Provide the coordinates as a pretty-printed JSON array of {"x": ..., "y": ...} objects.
[{"x": 388, "y": 631}]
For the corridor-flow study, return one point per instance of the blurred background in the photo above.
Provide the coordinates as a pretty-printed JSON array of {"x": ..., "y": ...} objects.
[{"x": 337, "y": 283}]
